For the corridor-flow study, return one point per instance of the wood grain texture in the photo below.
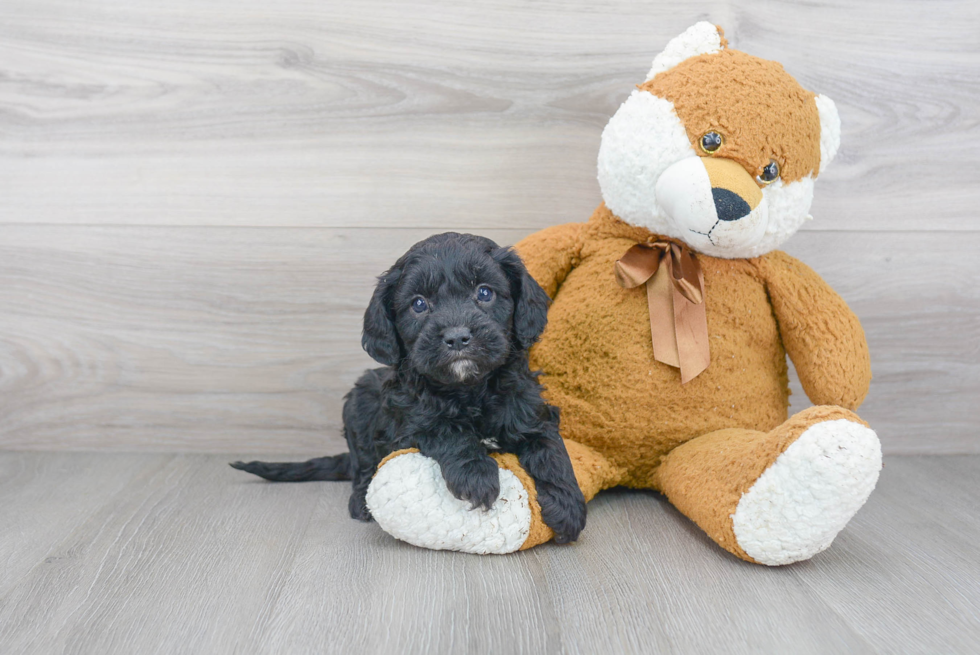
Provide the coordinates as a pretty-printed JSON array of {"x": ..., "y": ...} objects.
[
  {"x": 195, "y": 197},
  {"x": 171, "y": 533},
  {"x": 232, "y": 340},
  {"x": 920, "y": 522},
  {"x": 443, "y": 114},
  {"x": 184, "y": 338},
  {"x": 47, "y": 495},
  {"x": 186, "y": 555}
]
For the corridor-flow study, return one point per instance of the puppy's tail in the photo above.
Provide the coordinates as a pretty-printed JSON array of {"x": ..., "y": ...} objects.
[{"x": 336, "y": 467}]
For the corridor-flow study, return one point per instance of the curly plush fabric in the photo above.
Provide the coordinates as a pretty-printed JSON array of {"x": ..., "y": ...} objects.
[
  {"x": 617, "y": 399},
  {"x": 769, "y": 488},
  {"x": 409, "y": 500},
  {"x": 598, "y": 362},
  {"x": 799, "y": 504},
  {"x": 709, "y": 93}
]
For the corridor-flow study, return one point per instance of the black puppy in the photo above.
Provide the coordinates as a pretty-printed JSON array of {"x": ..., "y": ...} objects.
[{"x": 452, "y": 321}]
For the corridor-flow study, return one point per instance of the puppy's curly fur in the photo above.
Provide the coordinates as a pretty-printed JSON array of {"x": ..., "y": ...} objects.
[{"x": 452, "y": 321}]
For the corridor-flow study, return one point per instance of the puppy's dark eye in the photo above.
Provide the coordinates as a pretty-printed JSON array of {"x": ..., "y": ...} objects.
[
  {"x": 711, "y": 141},
  {"x": 769, "y": 174},
  {"x": 419, "y": 305},
  {"x": 484, "y": 293}
]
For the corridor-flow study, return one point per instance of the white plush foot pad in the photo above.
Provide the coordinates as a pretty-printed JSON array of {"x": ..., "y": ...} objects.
[
  {"x": 409, "y": 500},
  {"x": 799, "y": 504}
]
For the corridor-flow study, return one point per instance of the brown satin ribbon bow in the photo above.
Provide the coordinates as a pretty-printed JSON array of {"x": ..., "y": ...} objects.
[{"x": 675, "y": 297}]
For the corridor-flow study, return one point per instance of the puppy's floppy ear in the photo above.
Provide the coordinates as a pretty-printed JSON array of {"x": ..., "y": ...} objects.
[
  {"x": 380, "y": 338},
  {"x": 530, "y": 300}
]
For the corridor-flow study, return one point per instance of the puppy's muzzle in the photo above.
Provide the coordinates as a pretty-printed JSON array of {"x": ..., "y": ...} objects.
[{"x": 457, "y": 338}]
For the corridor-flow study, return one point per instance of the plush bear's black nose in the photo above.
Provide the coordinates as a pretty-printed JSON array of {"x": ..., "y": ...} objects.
[
  {"x": 729, "y": 205},
  {"x": 457, "y": 338}
]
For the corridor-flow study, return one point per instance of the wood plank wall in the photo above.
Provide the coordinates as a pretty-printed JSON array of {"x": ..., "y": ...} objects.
[{"x": 194, "y": 197}]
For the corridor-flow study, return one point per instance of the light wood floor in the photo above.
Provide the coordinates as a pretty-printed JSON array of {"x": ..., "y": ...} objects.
[{"x": 143, "y": 553}]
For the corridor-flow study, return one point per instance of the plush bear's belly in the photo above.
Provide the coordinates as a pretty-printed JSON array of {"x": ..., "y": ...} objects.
[{"x": 598, "y": 363}]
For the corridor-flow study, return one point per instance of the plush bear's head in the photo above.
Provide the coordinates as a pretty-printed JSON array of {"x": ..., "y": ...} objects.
[{"x": 717, "y": 148}]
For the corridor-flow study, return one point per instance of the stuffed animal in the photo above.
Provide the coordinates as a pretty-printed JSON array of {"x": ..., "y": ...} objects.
[{"x": 671, "y": 319}]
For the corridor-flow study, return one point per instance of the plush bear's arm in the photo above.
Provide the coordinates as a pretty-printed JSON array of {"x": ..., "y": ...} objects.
[
  {"x": 550, "y": 254},
  {"x": 822, "y": 335}
]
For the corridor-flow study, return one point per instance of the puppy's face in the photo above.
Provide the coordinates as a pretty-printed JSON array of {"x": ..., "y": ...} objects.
[
  {"x": 453, "y": 312},
  {"x": 453, "y": 309}
]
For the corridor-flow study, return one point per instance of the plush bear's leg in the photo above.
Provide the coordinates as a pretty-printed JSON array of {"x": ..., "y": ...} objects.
[
  {"x": 409, "y": 500},
  {"x": 779, "y": 497}
]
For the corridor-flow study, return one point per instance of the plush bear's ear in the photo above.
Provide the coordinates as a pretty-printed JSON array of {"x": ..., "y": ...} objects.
[
  {"x": 380, "y": 338},
  {"x": 699, "y": 39},
  {"x": 530, "y": 300},
  {"x": 829, "y": 130}
]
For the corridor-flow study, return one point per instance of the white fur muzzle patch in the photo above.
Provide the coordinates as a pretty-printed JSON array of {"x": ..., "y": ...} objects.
[
  {"x": 464, "y": 369},
  {"x": 644, "y": 149},
  {"x": 642, "y": 139},
  {"x": 799, "y": 504},
  {"x": 409, "y": 500}
]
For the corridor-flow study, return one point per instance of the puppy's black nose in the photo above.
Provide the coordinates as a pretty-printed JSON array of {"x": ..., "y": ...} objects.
[{"x": 457, "y": 338}]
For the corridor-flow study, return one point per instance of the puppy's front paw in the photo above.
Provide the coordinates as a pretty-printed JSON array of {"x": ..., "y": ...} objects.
[
  {"x": 476, "y": 480},
  {"x": 563, "y": 510}
]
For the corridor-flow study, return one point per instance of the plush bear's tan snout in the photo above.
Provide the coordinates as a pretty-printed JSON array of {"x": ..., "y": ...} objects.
[
  {"x": 735, "y": 192},
  {"x": 715, "y": 198}
]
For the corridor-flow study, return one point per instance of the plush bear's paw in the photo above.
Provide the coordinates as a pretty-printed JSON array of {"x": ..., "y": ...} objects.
[
  {"x": 410, "y": 501},
  {"x": 799, "y": 504}
]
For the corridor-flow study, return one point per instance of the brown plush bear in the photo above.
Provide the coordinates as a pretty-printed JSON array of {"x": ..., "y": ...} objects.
[{"x": 671, "y": 320}]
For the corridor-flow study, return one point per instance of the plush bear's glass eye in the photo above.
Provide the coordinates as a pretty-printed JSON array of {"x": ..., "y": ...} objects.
[
  {"x": 769, "y": 174},
  {"x": 419, "y": 305},
  {"x": 484, "y": 293},
  {"x": 711, "y": 141}
]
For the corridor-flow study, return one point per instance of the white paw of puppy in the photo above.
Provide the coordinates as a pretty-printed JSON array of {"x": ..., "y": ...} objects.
[
  {"x": 409, "y": 500},
  {"x": 799, "y": 504}
]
